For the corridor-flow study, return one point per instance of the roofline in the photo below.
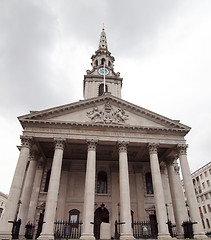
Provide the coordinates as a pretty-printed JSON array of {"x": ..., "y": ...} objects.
[{"x": 201, "y": 168}]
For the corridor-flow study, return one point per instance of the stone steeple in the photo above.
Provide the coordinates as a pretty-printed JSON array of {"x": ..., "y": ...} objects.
[
  {"x": 102, "y": 62},
  {"x": 103, "y": 41}
]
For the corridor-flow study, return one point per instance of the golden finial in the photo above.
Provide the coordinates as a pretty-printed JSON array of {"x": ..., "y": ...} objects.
[{"x": 103, "y": 28}]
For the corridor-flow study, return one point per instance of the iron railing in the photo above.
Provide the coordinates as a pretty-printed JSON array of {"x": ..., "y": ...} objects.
[
  {"x": 66, "y": 229},
  {"x": 144, "y": 229}
]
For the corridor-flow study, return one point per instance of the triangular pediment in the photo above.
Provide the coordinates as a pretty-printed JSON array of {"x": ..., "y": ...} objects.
[{"x": 105, "y": 110}]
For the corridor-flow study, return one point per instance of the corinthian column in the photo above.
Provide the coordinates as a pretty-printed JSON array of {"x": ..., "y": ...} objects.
[
  {"x": 124, "y": 188},
  {"x": 158, "y": 192},
  {"x": 52, "y": 197},
  {"x": 35, "y": 193},
  {"x": 178, "y": 200},
  {"x": 10, "y": 212},
  {"x": 190, "y": 194},
  {"x": 26, "y": 193},
  {"x": 89, "y": 194}
]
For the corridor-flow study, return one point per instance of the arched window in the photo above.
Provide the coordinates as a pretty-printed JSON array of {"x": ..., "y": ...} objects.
[
  {"x": 102, "y": 182},
  {"x": 149, "y": 186},
  {"x": 101, "y": 89},
  {"x": 102, "y": 61},
  {"x": 48, "y": 175},
  {"x": 96, "y": 63},
  {"x": 74, "y": 216},
  {"x": 109, "y": 63}
]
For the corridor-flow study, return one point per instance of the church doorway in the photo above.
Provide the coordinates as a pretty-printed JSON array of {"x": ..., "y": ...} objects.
[{"x": 101, "y": 215}]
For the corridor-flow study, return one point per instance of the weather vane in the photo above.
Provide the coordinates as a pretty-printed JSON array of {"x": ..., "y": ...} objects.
[{"x": 103, "y": 28}]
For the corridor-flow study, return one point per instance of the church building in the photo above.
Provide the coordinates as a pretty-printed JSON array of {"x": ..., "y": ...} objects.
[{"x": 101, "y": 168}]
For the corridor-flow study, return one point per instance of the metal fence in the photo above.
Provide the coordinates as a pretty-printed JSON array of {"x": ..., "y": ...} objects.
[
  {"x": 66, "y": 229},
  {"x": 144, "y": 229}
]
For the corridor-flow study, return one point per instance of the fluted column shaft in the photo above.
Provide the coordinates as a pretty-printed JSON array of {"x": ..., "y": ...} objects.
[
  {"x": 178, "y": 200},
  {"x": 35, "y": 194},
  {"x": 124, "y": 187},
  {"x": 26, "y": 194},
  {"x": 10, "y": 213},
  {"x": 89, "y": 194},
  {"x": 53, "y": 190},
  {"x": 189, "y": 191},
  {"x": 158, "y": 193}
]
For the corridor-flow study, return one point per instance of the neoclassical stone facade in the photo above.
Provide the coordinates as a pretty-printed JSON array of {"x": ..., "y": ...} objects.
[{"x": 101, "y": 160}]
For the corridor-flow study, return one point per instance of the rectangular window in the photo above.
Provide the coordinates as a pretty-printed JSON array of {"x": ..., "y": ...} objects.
[
  {"x": 200, "y": 210},
  {"x": 209, "y": 208},
  {"x": 203, "y": 185},
  {"x": 205, "y": 210},
  {"x": 206, "y": 196},
  {"x": 201, "y": 176},
  {"x": 208, "y": 183},
  {"x": 205, "y": 174}
]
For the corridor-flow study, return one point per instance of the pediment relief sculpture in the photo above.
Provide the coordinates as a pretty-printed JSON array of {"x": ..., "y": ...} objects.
[{"x": 108, "y": 115}]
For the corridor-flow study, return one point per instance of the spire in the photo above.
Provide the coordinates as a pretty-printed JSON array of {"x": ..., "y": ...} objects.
[
  {"x": 102, "y": 77},
  {"x": 103, "y": 41}
]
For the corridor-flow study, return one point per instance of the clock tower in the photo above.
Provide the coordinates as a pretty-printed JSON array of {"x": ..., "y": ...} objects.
[{"x": 102, "y": 64}]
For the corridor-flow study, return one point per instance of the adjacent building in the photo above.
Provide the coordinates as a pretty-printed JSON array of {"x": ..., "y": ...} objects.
[
  {"x": 3, "y": 200},
  {"x": 202, "y": 186},
  {"x": 103, "y": 161}
]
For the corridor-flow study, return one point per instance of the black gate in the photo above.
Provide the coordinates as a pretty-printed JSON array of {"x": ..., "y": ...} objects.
[
  {"x": 188, "y": 229},
  {"x": 144, "y": 229},
  {"x": 66, "y": 229},
  {"x": 29, "y": 231},
  {"x": 15, "y": 228}
]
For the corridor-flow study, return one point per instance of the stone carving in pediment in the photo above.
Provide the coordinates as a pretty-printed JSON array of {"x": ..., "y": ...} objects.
[{"x": 108, "y": 115}]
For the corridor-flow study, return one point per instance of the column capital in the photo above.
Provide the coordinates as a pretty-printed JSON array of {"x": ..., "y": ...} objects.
[
  {"x": 26, "y": 141},
  {"x": 182, "y": 149},
  {"x": 59, "y": 143},
  {"x": 153, "y": 147},
  {"x": 122, "y": 145},
  {"x": 92, "y": 144}
]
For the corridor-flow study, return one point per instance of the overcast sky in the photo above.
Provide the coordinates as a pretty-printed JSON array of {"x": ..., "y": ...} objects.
[{"x": 162, "y": 49}]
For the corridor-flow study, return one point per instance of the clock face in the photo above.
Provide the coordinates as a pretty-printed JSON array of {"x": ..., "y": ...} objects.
[{"x": 103, "y": 71}]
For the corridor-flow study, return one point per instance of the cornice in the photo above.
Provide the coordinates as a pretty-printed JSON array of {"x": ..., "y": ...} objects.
[{"x": 171, "y": 125}]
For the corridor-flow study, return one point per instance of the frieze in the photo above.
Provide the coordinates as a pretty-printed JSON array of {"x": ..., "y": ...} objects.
[{"x": 108, "y": 115}]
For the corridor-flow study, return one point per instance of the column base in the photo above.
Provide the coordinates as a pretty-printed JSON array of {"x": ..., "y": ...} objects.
[
  {"x": 87, "y": 237},
  {"x": 164, "y": 236},
  {"x": 46, "y": 237},
  {"x": 5, "y": 236},
  {"x": 180, "y": 236},
  {"x": 126, "y": 236},
  {"x": 200, "y": 235}
]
